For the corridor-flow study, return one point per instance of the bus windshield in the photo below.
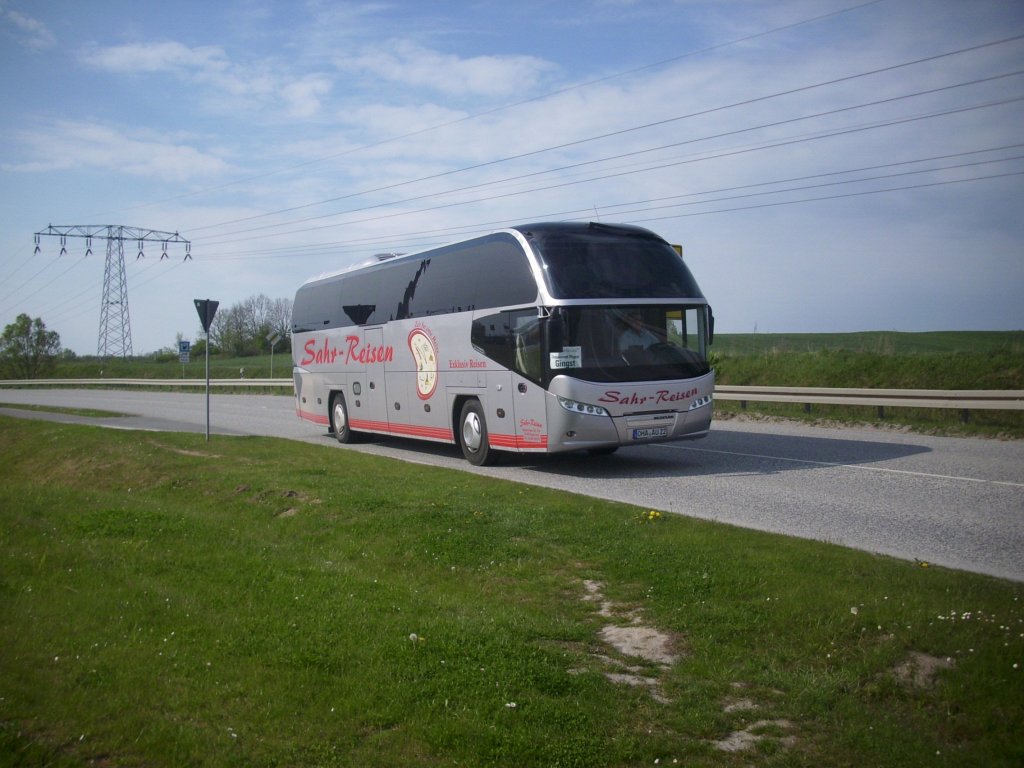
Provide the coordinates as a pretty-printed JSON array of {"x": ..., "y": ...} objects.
[
  {"x": 597, "y": 262},
  {"x": 629, "y": 343}
]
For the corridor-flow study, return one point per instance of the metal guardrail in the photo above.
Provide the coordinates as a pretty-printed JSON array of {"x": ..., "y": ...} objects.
[
  {"x": 956, "y": 399},
  {"x": 146, "y": 382},
  {"x": 963, "y": 400}
]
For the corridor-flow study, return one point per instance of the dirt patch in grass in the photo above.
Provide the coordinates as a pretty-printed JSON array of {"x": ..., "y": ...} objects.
[
  {"x": 652, "y": 650},
  {"x": 739, "y": 741},
  {"x": 654, "y": 653},
  {"x": 919, "y": 670},
  {"x": 646, "y": 643}
]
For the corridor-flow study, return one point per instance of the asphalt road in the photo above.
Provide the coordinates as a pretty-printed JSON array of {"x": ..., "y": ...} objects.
[{"x": 948, "y": 501}]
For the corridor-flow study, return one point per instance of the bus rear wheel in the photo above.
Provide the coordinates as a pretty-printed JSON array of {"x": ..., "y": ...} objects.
[
  {"x": 476, "y": 446},
  {"x": 339, "y": 420}
]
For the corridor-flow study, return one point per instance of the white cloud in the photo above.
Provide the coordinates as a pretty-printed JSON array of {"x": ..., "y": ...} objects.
[
  {"x": 69, "y": 145},
  {"x": 154, "y": 57},
  {"x": 304, "y": 97},
  {"x": 30, "y": 32},
  {"x": 256, "y": 85},
  {"x": 410, "y": 64}
]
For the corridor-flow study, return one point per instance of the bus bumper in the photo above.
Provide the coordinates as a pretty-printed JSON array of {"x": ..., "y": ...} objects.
[{"x": 623, "y": 425}]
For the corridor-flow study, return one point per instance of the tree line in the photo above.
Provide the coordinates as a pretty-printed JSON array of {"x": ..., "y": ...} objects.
[
  {"x": 244, "y": 329},
  {"x": 29, "y": 350}
]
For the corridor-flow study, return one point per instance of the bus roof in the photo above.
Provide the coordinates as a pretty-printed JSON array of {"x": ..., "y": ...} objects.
[{"x": 538, "y": 232}]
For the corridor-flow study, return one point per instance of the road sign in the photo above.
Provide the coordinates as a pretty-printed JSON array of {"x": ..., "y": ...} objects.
[
  {"x": 206, "y": 308},
  {"x": 184, "y": 351}
]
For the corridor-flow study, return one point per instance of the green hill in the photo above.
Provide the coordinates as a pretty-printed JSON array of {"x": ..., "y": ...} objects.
[{"x": 876, "y": 342}]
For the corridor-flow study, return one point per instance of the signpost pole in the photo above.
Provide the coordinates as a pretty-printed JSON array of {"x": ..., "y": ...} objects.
[
  {"x": 207, "y": 308},
  {"x": 273, "y": 337},
  {"x": 184, "y": 352},
  {"x": 207, "y": 385}
]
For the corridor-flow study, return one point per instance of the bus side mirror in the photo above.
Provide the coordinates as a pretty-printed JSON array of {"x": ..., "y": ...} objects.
[{"x": 711, "y": 326}]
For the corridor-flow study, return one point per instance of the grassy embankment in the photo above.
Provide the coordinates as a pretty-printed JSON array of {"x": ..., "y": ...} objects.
[
  {"x": 944, "y": 360},
  {"x": 950, "y": 360},
  {"x": 251, "y": 602}
]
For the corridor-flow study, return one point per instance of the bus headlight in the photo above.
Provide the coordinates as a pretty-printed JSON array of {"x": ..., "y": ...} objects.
[
  {"x": 700, "y": 402},
  {"x": 574, "y": 406}
]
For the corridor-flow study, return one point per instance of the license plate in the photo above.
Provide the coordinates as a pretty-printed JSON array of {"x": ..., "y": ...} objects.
[{"x": 647, "y": 434}]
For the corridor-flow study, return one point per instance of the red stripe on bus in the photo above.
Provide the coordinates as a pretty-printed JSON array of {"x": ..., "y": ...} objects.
[
  {"x": 405, "y": 430},
  {"x": 518, "y": 441},
  {"x": 316, "y": 418},
  {"x": 368, "y": 426}
]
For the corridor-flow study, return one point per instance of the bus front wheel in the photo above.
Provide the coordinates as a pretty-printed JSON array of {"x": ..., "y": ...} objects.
[
  {"x": 339, "y": 420},
  {"x": 473, "y": 435}
]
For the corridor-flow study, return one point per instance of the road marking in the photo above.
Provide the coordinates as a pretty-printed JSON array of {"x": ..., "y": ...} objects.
[{"x": 863, "y": 467}]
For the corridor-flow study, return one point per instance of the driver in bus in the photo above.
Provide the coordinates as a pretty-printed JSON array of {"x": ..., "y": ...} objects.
[{"x": 636, "y": 336}]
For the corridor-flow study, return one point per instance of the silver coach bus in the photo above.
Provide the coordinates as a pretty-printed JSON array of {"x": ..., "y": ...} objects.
[{"x": 544, "y": 337}]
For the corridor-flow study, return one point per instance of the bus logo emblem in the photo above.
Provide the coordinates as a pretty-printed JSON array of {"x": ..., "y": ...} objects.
[{"x": 424, "y": 352}]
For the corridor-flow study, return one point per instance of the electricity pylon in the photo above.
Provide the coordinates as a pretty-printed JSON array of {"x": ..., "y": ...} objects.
[{"x": 115, "y": 337}]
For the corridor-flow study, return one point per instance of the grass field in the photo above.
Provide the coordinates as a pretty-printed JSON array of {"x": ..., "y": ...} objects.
[{"x": 252, "y": 602}]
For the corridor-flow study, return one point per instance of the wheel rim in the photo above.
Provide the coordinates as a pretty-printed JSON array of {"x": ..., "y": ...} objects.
[
  {"x": 472, "y": 432},
  {"x": 340, "y": 418}
]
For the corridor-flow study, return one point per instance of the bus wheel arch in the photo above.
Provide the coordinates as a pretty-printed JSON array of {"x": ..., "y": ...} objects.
[{"x": 472, "y": 435}]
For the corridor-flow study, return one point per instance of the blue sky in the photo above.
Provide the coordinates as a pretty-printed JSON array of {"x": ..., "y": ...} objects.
[{"x": 834, "y": 165}]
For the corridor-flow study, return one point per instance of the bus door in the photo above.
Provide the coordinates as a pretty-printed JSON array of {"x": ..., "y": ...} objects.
[
  {"x": 396, "y": 399},
  {"x": 528, "y": 395},
  {"x": 369, "y": 389},
  {"x": 514, "y": 405}
]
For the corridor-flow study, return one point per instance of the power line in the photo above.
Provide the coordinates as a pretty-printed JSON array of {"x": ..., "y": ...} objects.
[
  {"x": 10, "y": 275},
  {"x": 450, "y": 231},
  {"x": 79, "y": 306},
  {"x": 629, "y": 215},
  {"x": 28, "y": 296},
  {"x": 623, "y": 131},
  {"x": 861, "y": 180},
  {"x": 562, "y": 184},
  {"x": 835, "y": 197},
  {"x": 522, "y": 102}
]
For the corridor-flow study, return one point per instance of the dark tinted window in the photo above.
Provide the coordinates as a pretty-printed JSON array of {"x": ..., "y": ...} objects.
[
  {"x": 445, "y": 284},
  {"x": 503, "y": 274},
  {"x": 315, "y": 307},
  {"x": 487, "y": 272},
  {"x": 357, "y": 299},
  {"x": 610, "y": 262},
  {"x": 511, "y": 339}
]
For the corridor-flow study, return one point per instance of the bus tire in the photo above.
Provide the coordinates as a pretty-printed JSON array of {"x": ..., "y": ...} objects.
[
  {"x": 476, "y": 446},
  {"x": 339, "y": 420}
]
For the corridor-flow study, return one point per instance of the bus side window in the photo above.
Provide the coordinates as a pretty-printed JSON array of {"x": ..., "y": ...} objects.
[
  {"x": 526, "y": 336},
  {"x": 511, "y": 339},
  {"x": 491, "y": 336}
]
